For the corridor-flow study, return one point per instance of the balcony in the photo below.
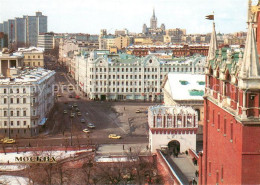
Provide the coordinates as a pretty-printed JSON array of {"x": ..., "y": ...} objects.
[
  {"x": 34, "y": 94},
  {"x": 35, "y": 117},
  {"x": 35, "y": 104}
]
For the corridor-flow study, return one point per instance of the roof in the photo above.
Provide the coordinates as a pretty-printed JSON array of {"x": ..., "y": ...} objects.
[
  {"x": 34, "y": 76},
  {"x": 185, "y": 86}
]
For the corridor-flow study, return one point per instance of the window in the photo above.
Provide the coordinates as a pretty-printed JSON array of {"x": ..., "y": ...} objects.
[
  {"x": 5, "y": 100},
  {"x": 12, "y": 113},
  {"x": 225, "y": 127},
  {"x": 24, "y": 100},
  {"x": 17, "y": 100},
  {"x": 24, "y": 123},
  {"x": 12, "y": 123},
  {"x": 11, "y": 91},
  {"x": 18, "y": 123},
  {"x": 231, "y": 132},
  {"x": 209, "y": 168},
  {"x": 24, "y": 113},
  {"x": 4, "y": 91},
  {"x": 218, "y": 121},
  {"x": 39, "y": 56},
  {"x": 5, "y": 113},
  {"x": 222, "y": 173},
  {"x": 5, "y": 123},
  {"x": 18, "y": 113},
  {"x": 11, "y": 100},
  {"x": 17, "y": 90}
]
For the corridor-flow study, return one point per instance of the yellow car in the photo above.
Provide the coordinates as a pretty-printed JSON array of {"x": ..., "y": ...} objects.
[
  {"x": 58, "y": 95},
  {"x": 70, "y": 87},
  {"x": 114, "y": 136},
  {"x": 79, "y": 113},
  {"x": 138, "y": 111},
  {"x": 7, "y": 140}
]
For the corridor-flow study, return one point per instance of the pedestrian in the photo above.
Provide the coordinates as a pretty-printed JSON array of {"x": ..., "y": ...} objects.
[
  {"x": 186, "y": 152},
  {"x": 196, "y": 173},
  {"x": 130, "y": 149},
  {"x": 123, "y": 147},
  {"x": 147, "y": 147}
]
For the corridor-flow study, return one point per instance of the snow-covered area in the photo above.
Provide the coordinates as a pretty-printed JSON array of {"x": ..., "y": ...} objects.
[
  {"x": 10, "y": 157},
  {"x": 12, "y": 167},
  {"x": 179, "y": 91},
  {"x": 113, "y": 159},
  {"x": 13, "y": 180}
]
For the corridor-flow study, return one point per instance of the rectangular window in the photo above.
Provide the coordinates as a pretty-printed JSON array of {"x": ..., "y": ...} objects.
[
  {"x": 12, "y": 123},
  {"x": 17, "y": 90},
  {"x": 5, "y": 123},
  {"x": 24, "y": 90},
  {"x": 18, "y": 113},
  {"x": 222, "y": 173},
  {"x": 18, "y": 123},
  {"x": 17, "y": 100},
  {"x": 218, "y": 121},
  {"x": 225, "y": 127},
  {"x": 24, "y": 113},
  {"x": 4, "y": 91},
  {"x": 12, "y": 113},
  {"x": 231, "y": 132},
  {"x": 24, "y": 100},
  {"x": 5, "y": 113},
  {"x": 11, "y": 100},
  {"x": 5, "y": 100},
  {"x": 24, "y": 123}
]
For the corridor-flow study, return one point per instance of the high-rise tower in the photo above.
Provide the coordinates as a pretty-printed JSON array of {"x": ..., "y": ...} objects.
[{"x": 153, "y": 21}]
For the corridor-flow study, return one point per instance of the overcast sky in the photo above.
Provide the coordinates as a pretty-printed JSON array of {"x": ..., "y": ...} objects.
[{"x": 89, "y": 16}]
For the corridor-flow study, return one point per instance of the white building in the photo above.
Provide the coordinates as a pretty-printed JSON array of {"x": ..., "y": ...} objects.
[
  {"x": 26, "y": 100},
  {"x": 125, "y": 77},
  {"x": 172, "y": 126},
  {"x": 46, "y": 41}
]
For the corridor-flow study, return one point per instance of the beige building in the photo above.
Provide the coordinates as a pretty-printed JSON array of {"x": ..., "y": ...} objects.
[
  {"x": 143, "y": 41},
  {"x": 33, "y": 56},
  {"x": 110, "y": 42},
  {"x": 10, "y": 63},
  {"x": 122, "y": 42}
]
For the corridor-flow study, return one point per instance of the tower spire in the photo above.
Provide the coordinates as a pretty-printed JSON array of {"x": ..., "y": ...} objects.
[
  {"x": 153, "y": 13},
  {"x": 250, "y": 67},
  {"x": 213, "y": 44},
  {"x": 249, "y": 13}
]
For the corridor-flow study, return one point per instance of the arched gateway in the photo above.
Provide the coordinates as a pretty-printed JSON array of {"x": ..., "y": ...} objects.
[{"x": 174, "y": 147}]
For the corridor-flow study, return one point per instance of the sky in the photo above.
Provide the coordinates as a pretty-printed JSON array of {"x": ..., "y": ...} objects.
[{"x": 89, "y": 16}]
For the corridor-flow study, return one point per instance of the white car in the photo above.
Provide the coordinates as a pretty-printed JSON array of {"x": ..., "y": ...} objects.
[
  {"x": 91, "y": 125},
  {"x": 86, "y": 130}
]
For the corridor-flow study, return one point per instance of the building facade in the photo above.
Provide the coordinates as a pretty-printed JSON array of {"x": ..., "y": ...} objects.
[
  {"x": 174, "y": 127},
  {"x": 33, "y": 56},
  {"x": 25, "y": 102},
  {"x": 46, "y": 41},
  {"x": 110, "y": 77},
  {"x": 231, "y": 121}
]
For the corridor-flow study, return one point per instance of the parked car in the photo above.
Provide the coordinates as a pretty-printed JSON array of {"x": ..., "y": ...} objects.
[
  {"x": 77, "y": 109},
  {"x": 86, "y": 130},
  {"x": 65, "y": 112},
  {"x": 79, "y": 113},
  {"x": 82, "y": 120},
  {"x": 114, "y": 136},
  {"x": 91, "y": 125},
  {"x": 72, "y": 115},
  {"x": 137, "y": 111},
  {"x": 77, "y": 97},
  {"x": 75, "y": 105}
]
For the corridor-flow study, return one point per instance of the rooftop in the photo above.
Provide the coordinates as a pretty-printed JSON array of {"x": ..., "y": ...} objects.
[
  {"x": 29, "y": 76},
  {"x": 186, "y": 86}
]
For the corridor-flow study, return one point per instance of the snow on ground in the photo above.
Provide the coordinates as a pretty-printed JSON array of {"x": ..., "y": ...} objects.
[
  {"x": 113, "y": 159},
  {"x": 13, "y": 180},
  {"x": 12, "y": 167},
  {"x": 10, "y": 157}
]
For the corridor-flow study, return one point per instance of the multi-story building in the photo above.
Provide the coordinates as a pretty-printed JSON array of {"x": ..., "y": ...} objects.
[
  {"x": 126, "y": 77},
  {"x": 122, "y": 42},
  {"x": 231, "y": 145},
  {"x": 26, "y": 99},
  {"x": 153, "y": 27},
  {"x": 24, "y": 31},
  {"x": 176, "y": 50},
  {"x": 10, "y": 63},
  {"x": 46, "y": 41},
  {"x": 20, "y": 32},
  {"x": 32, "y": 56},
  {"x": 121, "y": 32}
]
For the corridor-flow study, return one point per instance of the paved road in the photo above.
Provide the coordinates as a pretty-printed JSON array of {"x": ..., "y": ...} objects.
[{"x": 104, "y": 115}]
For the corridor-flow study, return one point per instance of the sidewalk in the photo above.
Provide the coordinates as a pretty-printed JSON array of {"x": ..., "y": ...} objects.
[{"x": 121, "y": 149}]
